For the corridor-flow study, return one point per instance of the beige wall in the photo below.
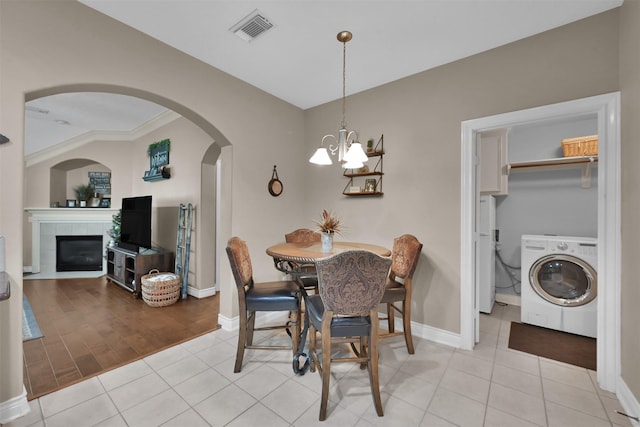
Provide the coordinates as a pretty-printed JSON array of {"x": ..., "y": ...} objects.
[
  {"x": 630, "y": 153},
  {"x": 420, "y": 117},
  {"x": 55, "y": 46}
]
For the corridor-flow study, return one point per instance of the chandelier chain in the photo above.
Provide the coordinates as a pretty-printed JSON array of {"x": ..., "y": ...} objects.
[{"x": 344, "y": 84}]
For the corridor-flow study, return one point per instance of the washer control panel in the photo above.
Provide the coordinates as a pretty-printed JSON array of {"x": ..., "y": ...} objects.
[{"x": 561, "y": 245}]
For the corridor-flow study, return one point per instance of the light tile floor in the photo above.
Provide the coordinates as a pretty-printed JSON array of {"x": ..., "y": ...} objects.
[{"x": 193, "y": 384}]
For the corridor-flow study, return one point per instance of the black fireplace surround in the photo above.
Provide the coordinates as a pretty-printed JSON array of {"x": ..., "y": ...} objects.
[{"x": 79, "y": 253}]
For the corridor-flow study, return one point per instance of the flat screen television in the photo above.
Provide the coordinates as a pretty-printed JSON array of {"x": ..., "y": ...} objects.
[{"x": 135, "y": 223}]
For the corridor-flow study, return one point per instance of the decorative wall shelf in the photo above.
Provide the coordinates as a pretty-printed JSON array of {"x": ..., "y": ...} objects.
[
  {"x": 152, "y": 176},
  {"x": 584, "y": 162},
  {"x": 559, "y": 163},
  {"x": 374, "y": 185}
]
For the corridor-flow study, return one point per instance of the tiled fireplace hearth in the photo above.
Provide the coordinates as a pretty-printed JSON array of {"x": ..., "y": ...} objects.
[{"x": 47, "y": 223}]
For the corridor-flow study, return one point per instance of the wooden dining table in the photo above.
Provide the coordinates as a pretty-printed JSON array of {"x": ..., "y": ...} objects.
[{"x": 309, "y": 253}]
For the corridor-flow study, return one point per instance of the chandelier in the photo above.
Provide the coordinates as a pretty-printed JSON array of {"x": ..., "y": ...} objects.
[{"x": 350, "y": 152}]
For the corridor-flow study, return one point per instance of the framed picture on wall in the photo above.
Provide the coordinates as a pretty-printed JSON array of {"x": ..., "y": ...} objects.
[{"x": 370, "y": 185}]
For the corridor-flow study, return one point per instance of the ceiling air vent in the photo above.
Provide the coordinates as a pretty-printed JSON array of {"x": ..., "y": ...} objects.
[{"x": 251, "y": 26}]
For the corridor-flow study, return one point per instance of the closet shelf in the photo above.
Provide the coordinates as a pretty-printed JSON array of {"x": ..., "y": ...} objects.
[{"x": 558, "y": 163}]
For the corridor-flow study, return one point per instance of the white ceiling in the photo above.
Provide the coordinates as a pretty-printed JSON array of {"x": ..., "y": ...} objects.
[{"x": 300, "y": 60}]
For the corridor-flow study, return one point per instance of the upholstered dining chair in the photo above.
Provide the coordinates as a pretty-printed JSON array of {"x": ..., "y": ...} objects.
[
  {"x": 255, "y": 297},
  {"x": 351, "y": 285},
  {"x": 397, "y": 296},
  {"x": 304, "y": 274}
]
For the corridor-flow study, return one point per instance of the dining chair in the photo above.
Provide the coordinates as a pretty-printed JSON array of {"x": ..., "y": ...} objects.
[
  {"x": 262, "y": 296},
  {"x": 404, "y": 259},
  {"x": 304, "y": 274},
  {"x": 350, "y": 285}
]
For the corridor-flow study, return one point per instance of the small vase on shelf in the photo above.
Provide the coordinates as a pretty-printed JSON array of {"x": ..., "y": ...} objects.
[{"x": 327, "y": 242}]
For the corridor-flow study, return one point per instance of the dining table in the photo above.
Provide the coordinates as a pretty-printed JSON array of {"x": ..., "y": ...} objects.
[{"x": 309, "y": 253}]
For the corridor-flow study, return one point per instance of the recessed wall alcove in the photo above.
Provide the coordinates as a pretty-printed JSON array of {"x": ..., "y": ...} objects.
[{"x": 66, "y": 175}]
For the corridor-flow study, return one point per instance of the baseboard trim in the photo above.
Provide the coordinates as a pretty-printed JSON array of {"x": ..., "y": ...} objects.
[
  {"x": 201, "y": 293},
  {"x": 437, "y": 335},
  {"x": 628, "y": 401},
  {"x": 229, "y": 323},
  {"x": 14, "y": 408}
]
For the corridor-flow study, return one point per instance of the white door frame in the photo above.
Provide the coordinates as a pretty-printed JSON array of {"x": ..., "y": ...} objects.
[{"x": 607, "y": 109}]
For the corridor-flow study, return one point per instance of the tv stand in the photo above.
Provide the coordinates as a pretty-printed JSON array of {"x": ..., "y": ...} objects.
[{"x": 126, "y": 268}]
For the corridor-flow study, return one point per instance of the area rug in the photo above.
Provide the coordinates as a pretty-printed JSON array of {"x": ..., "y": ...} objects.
[
  {"x": 30, "y": 328},
  {"x": 556, "y": 345}
]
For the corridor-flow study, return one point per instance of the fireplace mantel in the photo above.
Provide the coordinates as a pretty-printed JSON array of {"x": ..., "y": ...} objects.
[
  {"x": 71, "y": 214},
  {"x": 47, "y": 222}
]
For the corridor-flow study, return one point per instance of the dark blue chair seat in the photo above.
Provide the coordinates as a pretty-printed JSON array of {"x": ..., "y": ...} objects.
[
  {"x": 340, "y": 326},
  {"x": 273, "y": 296}
]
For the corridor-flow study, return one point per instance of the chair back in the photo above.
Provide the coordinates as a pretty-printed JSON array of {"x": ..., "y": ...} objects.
[
  {"x": 405, "y": 255},
  {"x": 240, "y": 261},
  {"x": 352, "y": 283},
  {"x": 303, "y": 235}
]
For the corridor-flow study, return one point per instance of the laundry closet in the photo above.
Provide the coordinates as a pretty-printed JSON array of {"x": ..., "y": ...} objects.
[{"x": 530, "y": 188}]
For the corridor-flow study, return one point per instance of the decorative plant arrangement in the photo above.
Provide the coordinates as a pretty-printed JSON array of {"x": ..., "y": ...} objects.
[
  {"x": 84, "y": 192},
  {"x": 328, "y": 225},
  {"x": 165, "y": 144}
]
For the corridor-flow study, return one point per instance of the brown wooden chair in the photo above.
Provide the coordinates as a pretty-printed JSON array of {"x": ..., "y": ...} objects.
[
  {"x": 302, "y": 235},
  {"x": 304, "y": 274},
  {"x": 351, "y": 285},
  {"x": 404, "y": 259},
  {"x": 254, "y": 297}
]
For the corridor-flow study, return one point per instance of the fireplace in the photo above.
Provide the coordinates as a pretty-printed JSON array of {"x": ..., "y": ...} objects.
[{"x": 79, "y": 253}]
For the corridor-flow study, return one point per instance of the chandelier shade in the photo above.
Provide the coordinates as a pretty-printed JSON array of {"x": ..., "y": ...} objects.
[{"x": 321, "y": 157}]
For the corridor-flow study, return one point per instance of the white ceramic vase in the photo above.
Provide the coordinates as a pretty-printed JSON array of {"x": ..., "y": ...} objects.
[{"x": 327, "y": 242}]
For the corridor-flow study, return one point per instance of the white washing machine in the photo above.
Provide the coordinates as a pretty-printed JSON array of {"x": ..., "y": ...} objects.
[{"x": 560, "y": 283}]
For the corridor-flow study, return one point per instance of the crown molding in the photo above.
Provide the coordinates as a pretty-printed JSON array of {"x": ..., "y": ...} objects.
[{"x": 92, "y": 136}]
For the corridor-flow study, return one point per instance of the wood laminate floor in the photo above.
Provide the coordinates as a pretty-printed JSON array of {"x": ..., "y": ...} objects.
[{"x": 90, "y": 326}]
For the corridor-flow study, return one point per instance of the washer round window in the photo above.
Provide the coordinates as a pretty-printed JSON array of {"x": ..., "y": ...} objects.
[{"x": 564, "y": 280}]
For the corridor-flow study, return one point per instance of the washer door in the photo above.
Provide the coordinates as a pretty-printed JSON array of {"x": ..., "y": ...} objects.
[{"x": 564, "y": 280}]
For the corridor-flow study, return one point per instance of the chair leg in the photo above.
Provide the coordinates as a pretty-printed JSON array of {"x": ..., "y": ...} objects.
[
  {"x": 373, "y": 363},
  {"x": 326, "y": 363},
  {"x": 242, "y": 337},
  {"x": 295, "y": 333},
  {"x": 406, "y": 325},
  {"x": 251, "y": 324},
  {"x": 391, "y": 322},
  {"x": 363, "y": 352},
  {"x": 312, "y": 348}
]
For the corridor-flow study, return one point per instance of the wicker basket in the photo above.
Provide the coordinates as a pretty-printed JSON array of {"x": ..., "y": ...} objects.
[
  {"x": 580, "y": 146},
  {"x": 160, "y": 289}
]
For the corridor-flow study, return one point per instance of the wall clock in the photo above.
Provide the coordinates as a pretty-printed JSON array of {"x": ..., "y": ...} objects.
[{"x": 275, "y": 185}]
